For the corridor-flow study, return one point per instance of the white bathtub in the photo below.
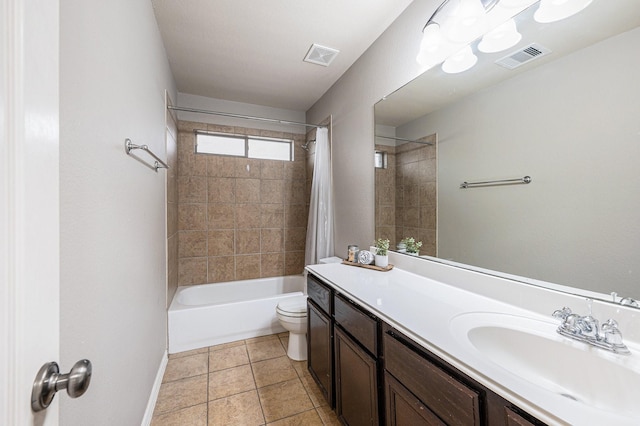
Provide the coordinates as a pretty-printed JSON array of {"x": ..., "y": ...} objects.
[{"x": 211, "y": 314}]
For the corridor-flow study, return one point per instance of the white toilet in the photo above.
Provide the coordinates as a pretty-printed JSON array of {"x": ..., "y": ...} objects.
[{"x": 292, "y": 314}]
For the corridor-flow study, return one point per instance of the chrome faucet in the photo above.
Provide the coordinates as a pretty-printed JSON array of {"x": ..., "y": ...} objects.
[{"x": 587, "y": 329}]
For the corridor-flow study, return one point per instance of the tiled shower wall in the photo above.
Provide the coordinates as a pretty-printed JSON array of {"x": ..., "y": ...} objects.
[
  {"x": 406, "y": 197},
  {"x": 172, "y": 204},
  {"x": 239, "y": 218}
]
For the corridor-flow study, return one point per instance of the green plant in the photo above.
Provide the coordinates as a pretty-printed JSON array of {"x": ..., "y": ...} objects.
[
  {"x": 382, "y": 246},
  {"x": 413, "y": 246}
]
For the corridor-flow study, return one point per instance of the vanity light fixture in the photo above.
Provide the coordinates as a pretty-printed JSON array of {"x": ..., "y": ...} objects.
[
  {"x": 457, "y": 23},
  {"x": 555, "y": 10},
  {"x": 461, "y": 61}
]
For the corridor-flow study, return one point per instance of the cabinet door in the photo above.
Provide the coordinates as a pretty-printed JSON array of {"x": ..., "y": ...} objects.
[
  {"x": 356, "y": 383},
  {"x": 403, "y": 408},
  {"x": 320, "y": 350}
]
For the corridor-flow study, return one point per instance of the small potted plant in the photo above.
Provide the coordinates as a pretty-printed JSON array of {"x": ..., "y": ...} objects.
[
  {"x": 413, "y": 246},
  {"x": 382, "y": 255}
]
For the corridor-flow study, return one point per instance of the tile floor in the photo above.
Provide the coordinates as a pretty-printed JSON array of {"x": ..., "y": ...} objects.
[{"x": 249, "y": 382}]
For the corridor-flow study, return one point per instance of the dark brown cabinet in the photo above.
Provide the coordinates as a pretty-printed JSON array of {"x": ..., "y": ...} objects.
[
  {"x": 373, "y": 374},
  {"x": 320, "y": 337}
]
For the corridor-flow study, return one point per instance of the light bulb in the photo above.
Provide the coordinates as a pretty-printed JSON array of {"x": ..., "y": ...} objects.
[
  {"x": 501, "y": 38},
  {"x": 461, "y": 61},
  {"x": 465, "y": 20},
  {"x": 555, "y": 10}
]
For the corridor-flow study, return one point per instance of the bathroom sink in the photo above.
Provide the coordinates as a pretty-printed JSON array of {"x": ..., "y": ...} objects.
[{"x": 532, "y": 350}]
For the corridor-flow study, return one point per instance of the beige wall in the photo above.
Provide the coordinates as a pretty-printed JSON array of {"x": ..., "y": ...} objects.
[
  {"x": 239, "y": 218},
  {"x": 388, "y": 64}
]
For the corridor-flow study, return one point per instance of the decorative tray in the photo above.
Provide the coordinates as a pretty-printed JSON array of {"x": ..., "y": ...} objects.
[{"x": 361, "y": 265}]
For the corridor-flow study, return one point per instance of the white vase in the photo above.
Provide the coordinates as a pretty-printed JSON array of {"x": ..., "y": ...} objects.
[{"x": 382, "y": 261}]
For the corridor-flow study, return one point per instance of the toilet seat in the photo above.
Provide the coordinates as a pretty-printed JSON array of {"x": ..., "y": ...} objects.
[{"x": 295, "y": 307}]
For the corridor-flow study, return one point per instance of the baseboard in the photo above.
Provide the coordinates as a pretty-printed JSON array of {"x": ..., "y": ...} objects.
[{"x": 153, "y": 398}]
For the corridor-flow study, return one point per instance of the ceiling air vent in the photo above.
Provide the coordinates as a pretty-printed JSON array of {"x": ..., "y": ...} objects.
[
  {"x": 321, "y": 55},
  {"x": 523, "y": 56}
]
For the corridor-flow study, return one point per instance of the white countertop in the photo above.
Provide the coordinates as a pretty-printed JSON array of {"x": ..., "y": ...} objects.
[{"x": 423, "y": 309}]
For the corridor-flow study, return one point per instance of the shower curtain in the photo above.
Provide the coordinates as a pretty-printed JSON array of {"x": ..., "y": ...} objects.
[{"x": 320, "y": 225}]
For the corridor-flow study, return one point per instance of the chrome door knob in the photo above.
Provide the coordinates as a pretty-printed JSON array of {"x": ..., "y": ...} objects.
[{"x": 48, "y": 381}]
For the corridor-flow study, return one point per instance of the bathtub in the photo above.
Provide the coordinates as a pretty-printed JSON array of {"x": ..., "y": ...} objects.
[{"x": 211, "y": 314}]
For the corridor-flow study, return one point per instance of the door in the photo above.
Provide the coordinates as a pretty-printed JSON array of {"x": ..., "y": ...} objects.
[{"x": 29, "y": 237}]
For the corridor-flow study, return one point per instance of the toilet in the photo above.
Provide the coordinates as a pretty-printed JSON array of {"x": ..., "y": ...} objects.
[{"x": 292, "y": 314}]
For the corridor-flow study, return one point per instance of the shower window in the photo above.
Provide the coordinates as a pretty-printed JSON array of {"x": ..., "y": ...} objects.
[{"x": 244, "y": 146}]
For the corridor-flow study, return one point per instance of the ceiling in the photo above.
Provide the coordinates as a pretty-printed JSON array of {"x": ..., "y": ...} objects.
[{"x": 252, "y": 51}]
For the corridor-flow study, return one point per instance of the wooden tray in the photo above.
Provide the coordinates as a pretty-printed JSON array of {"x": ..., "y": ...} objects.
[{"x": 375, "y": 268}]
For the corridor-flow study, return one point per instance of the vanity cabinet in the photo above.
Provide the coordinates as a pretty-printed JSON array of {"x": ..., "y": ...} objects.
[
  {"x": 422, "y": 389},
  {"x": 320, "y": 336},
  {"x": 356, "y": 364}
]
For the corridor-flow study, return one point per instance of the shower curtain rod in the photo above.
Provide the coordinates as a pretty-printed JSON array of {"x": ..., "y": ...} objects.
[
  {"x": 246, "y": 117},
  {"x": 402, "y": 139}
]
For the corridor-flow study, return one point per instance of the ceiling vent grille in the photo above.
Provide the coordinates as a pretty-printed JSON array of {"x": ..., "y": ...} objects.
[
  {"x": 321, "y": 55},
  {"x": 523, "y": 56}
]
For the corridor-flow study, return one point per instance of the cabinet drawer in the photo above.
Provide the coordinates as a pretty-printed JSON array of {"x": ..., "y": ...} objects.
[
  {"x": 360, "y": 325},
  {"x": 319, "y": 293},
  {"x": 515, "y": 419},
  {"x": 448, "y": 398}
]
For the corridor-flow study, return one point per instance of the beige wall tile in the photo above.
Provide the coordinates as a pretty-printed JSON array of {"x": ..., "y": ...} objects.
[
  {"x": 192, "y": 243},
  {"x": 247, "y": 267},
  {"x": 192, "y": 189},
  {"x": 248, "y": 168},
  {"x": 220, "y": 166},
  {"x": 294, "y": 170},
  {"x": 248, "y": 216},
  {"x": 221, "y": 216},
  {"x": 295, "y": 193},
  {"x": 272, "y": 265},
  {"x": 248, "y": 190},
  {"x": 221, "y": 242},
  {"x": 296, "y": 216},
  {"x": 220, "y": 128},
  {"x": 272, "y": 191},
  {"x": 295, "y": 239},
  {"x": 272, "y": 169},
  {"x": 172, "y": 267},
  {"x": 192, "y": 216},
  {"x": 293, "y": 262},
  {"x": 221, "y": 190},
  {"x": 192, "y": 270},
  {"x": 272, "y": 215},
  {"x": 247, "y": 241},
  {"x": 272, "y": 240},
  {"x": 221, "y": 269},
  {"x": 190, "y": 126}
]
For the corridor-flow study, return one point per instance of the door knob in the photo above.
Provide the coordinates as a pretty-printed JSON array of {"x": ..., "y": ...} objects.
[{"x": 49, "y": 381}]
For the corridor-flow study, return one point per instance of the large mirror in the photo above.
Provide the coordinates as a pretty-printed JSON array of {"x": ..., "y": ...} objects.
[{"x": 569, "y": 119}]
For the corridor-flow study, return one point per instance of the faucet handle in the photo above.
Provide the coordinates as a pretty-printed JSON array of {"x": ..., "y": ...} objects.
[
  {"x": 562, "y": 313},
  {"x": 611, "y": 332}
]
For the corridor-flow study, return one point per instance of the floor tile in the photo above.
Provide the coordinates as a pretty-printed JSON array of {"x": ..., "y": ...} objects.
[
  {"x": 328, "y": 416},
  {"x": 230, "y": 381},
  {"x": 188, "y": 353},
  {"x": 181, "y": 394},
  {"x": 188, "y": 366},
  {"x": 192, "y": 416},
  {"x": 240, "y": 409},
  {"x": 313, "y": 390},
  {"x": 308, "y": 418},
  {"x": 227, "y": 358},
  {"x": 262, "y": 338},
  {"x": 225, "y": 345},
  {"x": 265, "y": 349},
  {"x": 272, "y": 371},
  {"x": 284, "y": 400}
]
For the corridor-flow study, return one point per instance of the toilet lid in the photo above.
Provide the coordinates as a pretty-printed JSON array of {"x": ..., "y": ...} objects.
[{"x": 293, "y": 306}]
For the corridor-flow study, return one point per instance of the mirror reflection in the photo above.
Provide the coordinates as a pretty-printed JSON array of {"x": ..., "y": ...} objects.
[{"x": 568, "y": 119}]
